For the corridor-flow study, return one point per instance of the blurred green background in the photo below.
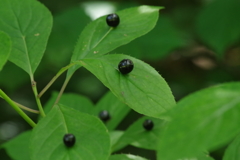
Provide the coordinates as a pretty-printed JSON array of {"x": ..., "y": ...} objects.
[{"x": 195, "y": 44}]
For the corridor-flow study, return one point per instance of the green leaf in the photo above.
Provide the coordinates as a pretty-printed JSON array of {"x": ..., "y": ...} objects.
[
  {"x": 137, "y": 136},
  {"x": 5, "y": 48},
  {"x": 18, "y": 148},
  {"x": 98, "y": 38},
  {"x": 28, "y": 23},
  {"x": 92, "y": 138},
  {"x": 143, "y": 90},
  {"x": 205, "y": 120},
  {"x": 115, "y": 135},
  {"x": 125, "y": 157},
  {"x": 116, "y": 109},
  {"x": 66, "y": 28},
  {"x": 158, "y": 43},
  {"x": 75, "y": 101},
  {"x": 218, "y": 25},
  {"x": 233, "y": 150}
]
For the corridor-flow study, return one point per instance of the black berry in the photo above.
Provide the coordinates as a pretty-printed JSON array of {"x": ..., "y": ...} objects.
[
  {"x": 148, "y": 124},
  {"x": 104, "y": 116},
  {"x": 125, "y": 66},
  {"x": 113, "y": 20},
  {"x": 69, "y": 140}
]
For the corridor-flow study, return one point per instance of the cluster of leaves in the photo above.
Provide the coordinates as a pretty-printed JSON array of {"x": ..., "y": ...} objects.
[{"x": 201, "y": 122}]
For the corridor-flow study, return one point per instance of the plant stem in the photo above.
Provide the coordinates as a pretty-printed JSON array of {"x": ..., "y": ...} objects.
[
  {"x": 19, "y": 111},
  {"x": 62, "y": 89},
  {"x": 37, "y": 99},
  {"x": 24, "y": 107},
  {"x": 62, "y": 70}
]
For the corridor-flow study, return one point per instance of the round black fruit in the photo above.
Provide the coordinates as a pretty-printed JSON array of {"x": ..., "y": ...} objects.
[
  {"x": 148, "y": 124},
  {"x": 104, "y": 115},
  {"x": 69, "y": 140},
  {"x": 125, "y": 66},
  {"x": 113, "y": 20}
]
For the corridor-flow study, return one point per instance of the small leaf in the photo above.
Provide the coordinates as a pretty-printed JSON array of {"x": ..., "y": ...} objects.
[
  {"x": 115, "y": 108},
  {"x": 92, "y": 138},
  {"x": 18, "y": 148},
  {"x": 125, "y": 157},
  {"x": 143, "y": 90},
  {"x": 233, "y": 150},
  {"x": 205, "y": 120},
  {"x": 75, "y": 101},
  {"x": 137, "y": 136},
  {"x": 98, "y": 38},
  {"x": 218, "y": 25},
  {"x": 28, "y": 23},
  {"x": 5, "y": 48}
]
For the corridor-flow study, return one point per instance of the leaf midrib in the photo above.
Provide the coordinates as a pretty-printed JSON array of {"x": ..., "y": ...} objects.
[{"x": 25, "y": 45}]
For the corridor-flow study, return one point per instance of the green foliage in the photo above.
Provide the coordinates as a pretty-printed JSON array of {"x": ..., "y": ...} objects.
[
  {"x": 162, "y": 40},
  {"x": 116, "y": 109},
  {"x": 218, "y": 25},
  {"x": 137, "y": 136},
  {"x": 143, "y": 83},
  {"x": 208, "y": 118},
  {"x": 5, "y": 46},
  {"x": 92, "y": 138},
  {"x": 28, "y": 23},
  {"x": 233, "y": 150},
  {"x": 125, "y": 157},
  {"x": 18, "y": 148},
  {"x": 98, "y": 38},
  {"x": 75, "y": 101},
  {"x": 197, "y": 124}
]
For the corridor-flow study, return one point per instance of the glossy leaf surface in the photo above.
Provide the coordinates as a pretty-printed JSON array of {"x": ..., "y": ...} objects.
[
  {"x": 28, "y": 23},
  {"x": 208, "y": 118},
  {"x": 115, "y": 108},
  {"x": 5, "y": 48},
  {"x": 98, "y": 38},
  {"x": 137, "y": 136},
  {"x": 143, "y": 90},
  {"x": 92, "y": 138},
  {"x": 18, "y": 148}
]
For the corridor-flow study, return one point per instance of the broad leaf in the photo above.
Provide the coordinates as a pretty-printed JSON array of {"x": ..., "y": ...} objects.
[
  {"x": 28, "y": 23},
  {"x": 75, "y": 101},
  {"x": 144, "y": 90},
  {"x": 115, "y": 108},
  {"x": 125, "y": 157},
  {"x": 18, "y": 148},
  {"x": 98, "y": 38},
  {"x": 233, "y": 150},
  {"x": 218, "y": 24},
  {"x": 92, "y": 138},
  {"x": 137, "y": 136},
  {"x": 5, "y": 48},
  {"x": 159, "y": 42},
  {"x": 202, "y": 121}
]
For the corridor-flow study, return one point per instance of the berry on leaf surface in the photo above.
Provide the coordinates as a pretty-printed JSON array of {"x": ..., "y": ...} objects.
[
  {"x": 113, "y": 20},
  {"x": 125, "y": 66},
  {"x": 148, "y": 124},
  {"x": 69, "y": 140}
]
